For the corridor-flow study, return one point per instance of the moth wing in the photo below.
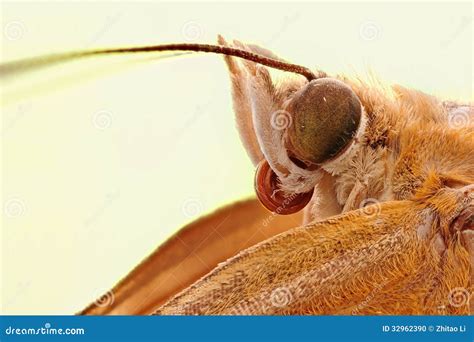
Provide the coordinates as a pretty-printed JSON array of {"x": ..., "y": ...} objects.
[
  {"x": 191, "y": 253},
  {"x": 370, "y": 261}
]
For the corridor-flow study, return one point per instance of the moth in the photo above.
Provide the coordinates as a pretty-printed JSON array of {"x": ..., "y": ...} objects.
[{"x": 365, "y": 202}]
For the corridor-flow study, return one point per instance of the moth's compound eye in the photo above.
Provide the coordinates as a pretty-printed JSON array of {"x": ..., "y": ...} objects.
[
  {"x": 269, "y": 194},
  {"x": 326, "y": 115}
]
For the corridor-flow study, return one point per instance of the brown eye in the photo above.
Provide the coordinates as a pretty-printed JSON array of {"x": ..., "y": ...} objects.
[{"x": 326, "y": 114}]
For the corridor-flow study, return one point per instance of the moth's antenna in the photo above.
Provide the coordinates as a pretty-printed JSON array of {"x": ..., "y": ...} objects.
[{"x": 31, "y": 63}]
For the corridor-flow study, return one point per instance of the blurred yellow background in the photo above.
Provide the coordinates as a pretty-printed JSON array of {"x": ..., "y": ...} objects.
[{"x": 104, "y": 159}]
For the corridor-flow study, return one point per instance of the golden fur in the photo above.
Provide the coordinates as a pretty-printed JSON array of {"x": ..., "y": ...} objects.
[
  {"x": 399, "y": 256},
  {"x": 410, "y": 251}
]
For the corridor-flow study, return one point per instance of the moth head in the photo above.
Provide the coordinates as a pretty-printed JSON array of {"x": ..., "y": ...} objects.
[{"x": 324, "y": 116}]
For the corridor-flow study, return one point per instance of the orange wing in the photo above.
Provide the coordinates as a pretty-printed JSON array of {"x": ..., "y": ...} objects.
[{"x": 191, "y": 253}]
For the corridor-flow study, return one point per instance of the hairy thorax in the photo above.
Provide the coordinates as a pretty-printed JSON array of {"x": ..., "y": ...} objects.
[{"x": 408, "y": 136}]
